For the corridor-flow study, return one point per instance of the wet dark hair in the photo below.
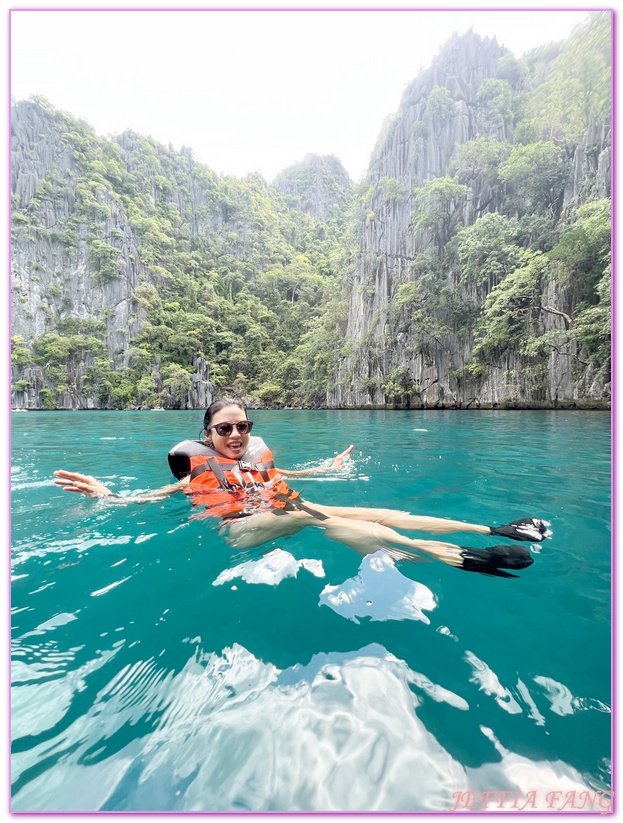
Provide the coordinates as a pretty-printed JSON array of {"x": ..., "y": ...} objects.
[{"x": 217, "y": 406}]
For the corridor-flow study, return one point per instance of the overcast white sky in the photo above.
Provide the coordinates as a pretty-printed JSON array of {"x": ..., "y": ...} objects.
[{"x": 249, "y": 90}]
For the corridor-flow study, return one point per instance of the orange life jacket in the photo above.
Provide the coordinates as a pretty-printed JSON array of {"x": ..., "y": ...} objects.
[{"x": 232, "y": 487}]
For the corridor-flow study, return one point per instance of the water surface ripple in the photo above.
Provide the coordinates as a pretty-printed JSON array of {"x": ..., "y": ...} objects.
[{"x": 154, "y": 668}]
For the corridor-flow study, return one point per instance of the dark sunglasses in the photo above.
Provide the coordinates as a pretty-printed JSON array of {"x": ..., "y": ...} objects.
[{"x": 225, "y": 429}]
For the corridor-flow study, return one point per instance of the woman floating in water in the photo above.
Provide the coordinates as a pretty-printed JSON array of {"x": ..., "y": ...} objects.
[{"x": 233, "y": 475}]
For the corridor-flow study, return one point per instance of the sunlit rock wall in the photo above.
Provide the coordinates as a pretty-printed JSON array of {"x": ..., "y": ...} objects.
[{"x": 415, "y": 146}]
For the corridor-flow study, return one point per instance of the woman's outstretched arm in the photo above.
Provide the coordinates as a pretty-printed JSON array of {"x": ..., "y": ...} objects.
[
  {"x": 90, "y": 487},
  {"x": 338, "y": 462}
]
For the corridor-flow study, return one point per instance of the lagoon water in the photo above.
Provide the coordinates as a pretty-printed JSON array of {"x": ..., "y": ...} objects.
[{"x": 155, "y": 668}]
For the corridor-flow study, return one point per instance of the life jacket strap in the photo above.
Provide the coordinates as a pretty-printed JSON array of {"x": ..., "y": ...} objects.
[
  {"x": 217, "y": 469},
  {"x": 263, "y": 469},
  {"x": 314, "y": 513}
]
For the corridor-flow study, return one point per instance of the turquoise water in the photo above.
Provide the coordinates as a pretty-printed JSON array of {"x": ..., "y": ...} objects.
[{"x": 156, "y": 668}]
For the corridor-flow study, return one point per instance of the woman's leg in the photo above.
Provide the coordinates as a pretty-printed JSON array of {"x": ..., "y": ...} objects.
[
  {"x": 264, "y": 527},
  {"x": 400, "y": 520},
  {"x": 366, "y": 537},
  {"x": 363, "y": 536},
  {"x": 530, "y": 529}
]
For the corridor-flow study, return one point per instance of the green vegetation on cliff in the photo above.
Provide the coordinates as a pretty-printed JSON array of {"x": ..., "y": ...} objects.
[
  {"x": 507, "y": 245},
  {"x": 251, "y": 282},
  {"x": 235, "y": 272}
]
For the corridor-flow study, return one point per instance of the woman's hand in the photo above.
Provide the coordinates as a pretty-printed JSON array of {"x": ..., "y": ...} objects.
[
  {"x": 83, "y": 483},
  {"x": 338, "y": 461}
]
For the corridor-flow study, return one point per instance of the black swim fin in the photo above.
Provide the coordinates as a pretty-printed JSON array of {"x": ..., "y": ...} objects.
[
  {"x": 491, "y": 561},
  {"x": 528, "y": 528}
]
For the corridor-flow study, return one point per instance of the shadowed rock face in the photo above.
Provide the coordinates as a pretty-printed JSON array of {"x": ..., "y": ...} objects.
[{"x": 420, "y": 144}]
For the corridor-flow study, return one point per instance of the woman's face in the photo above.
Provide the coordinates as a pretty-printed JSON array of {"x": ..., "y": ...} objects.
[{"x": 232, "y": 445}]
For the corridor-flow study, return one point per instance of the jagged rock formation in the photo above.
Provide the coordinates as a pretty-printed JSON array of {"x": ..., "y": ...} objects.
[
  {"x": 53, "y": 269},
  {"x": 141, "y": 278},
  {"x": 41, "y": 258},
  {"x": 390, "y": 359},
  {"x": 117, "y": 243}
]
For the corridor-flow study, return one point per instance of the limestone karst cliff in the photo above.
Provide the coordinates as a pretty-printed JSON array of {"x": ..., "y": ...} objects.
[
  {"x": 141, "y": 278},
  {"x": 470, "y": 268},
  {"x": 442, "y": 163}
]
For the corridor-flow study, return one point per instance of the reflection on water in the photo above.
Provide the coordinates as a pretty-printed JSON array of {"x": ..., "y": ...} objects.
[
  {"x": 271, "y": 569},
  {"x": 488, "y": 681},
  {"x": 379, "y": 592},
  {"x": 230, "y": 732},
  {"x": 154, "y": 669}
]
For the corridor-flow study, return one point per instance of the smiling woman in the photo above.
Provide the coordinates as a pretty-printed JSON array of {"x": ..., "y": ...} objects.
[
  {"x": 234, "y": 476},
  {"x": 230, "y": 426}
]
